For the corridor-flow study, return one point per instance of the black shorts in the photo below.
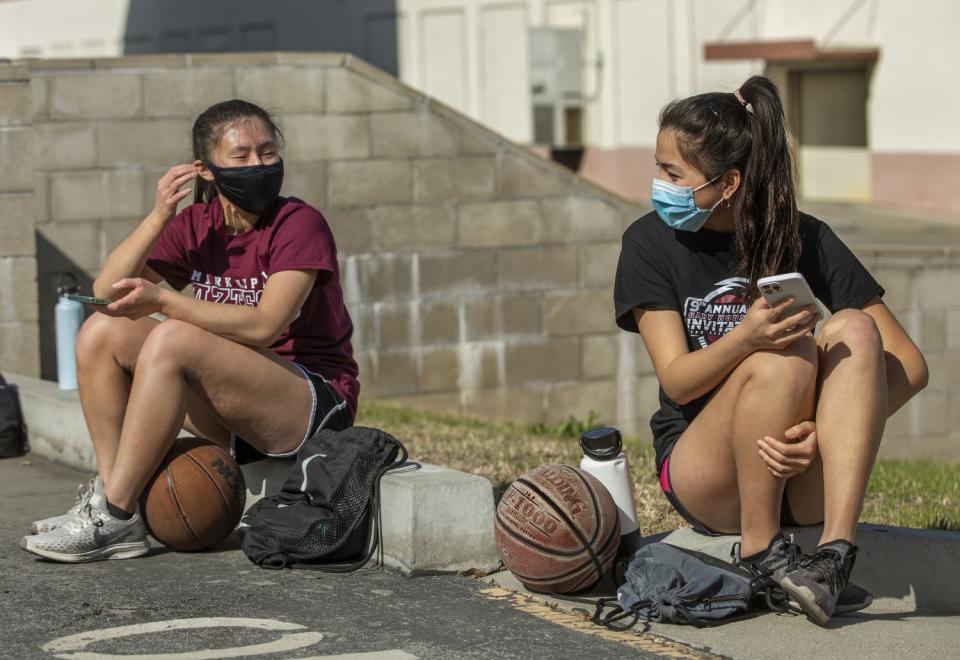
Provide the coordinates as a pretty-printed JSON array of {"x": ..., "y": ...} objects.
[
  {"x": 329, "y": 411},
  {"x": 786, "y": 516}
]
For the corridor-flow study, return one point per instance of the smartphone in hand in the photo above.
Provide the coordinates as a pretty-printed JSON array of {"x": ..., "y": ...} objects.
[
  {"x": 88, "y": 300},
  {"x": 777, "y": 287}
]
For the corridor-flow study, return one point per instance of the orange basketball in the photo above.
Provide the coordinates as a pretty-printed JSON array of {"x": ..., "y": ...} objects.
[
  {"x": 196, "y": 497},
  {"x": 557, "y": 529}
]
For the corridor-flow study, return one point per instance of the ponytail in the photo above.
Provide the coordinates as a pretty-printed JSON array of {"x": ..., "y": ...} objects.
[
  {"x": 208, "y": 129},
  {"x": 746, "y": 131}
]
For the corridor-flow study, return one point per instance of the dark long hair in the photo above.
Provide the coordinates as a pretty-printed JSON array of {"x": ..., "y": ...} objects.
[
  {"x": 715, "y": 133},
  {"x": 208, "y": 129}
]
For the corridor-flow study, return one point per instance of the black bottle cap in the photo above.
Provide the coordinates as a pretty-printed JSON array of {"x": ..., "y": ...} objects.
[{"x": 602, "y": 444}]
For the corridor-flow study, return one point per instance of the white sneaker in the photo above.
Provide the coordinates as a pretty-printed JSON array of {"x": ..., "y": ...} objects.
[
  {"x": 91, "y": 535},
  {"x": 84, "y": 493}
]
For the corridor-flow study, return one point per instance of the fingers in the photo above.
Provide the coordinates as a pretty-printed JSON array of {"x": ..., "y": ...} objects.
[
  {"x": 803, "y": 316},
  {"x": 787, "y": 459},
  {"x": 800, "y": 430}
]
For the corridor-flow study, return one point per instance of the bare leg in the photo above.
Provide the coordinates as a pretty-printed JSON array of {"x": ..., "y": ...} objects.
[
  {"x": 851, "y": 415},
  {"x": 255, "y": 393},
  {"x": 716, "y": 470}
]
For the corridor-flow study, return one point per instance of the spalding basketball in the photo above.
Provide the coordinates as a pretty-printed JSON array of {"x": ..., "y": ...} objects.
[
  {"x": 557, "y": 529},
  {"x": 196, "y": 497}
]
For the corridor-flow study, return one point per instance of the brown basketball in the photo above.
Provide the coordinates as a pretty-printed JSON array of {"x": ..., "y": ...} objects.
[
  {"x": 196, "y": 497},
  {"x": 557, "y": 529}
]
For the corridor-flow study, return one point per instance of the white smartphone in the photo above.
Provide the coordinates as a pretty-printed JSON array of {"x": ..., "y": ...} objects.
[{"x": 777, "y": 287}]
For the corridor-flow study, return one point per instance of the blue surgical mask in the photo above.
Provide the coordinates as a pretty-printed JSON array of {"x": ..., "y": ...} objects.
[{"x": 676, "y": 206}]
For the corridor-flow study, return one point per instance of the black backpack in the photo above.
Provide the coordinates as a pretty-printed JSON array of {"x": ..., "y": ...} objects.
[
  {"x": 328, "y": 509},
  {"x": 13, "y": 430}
]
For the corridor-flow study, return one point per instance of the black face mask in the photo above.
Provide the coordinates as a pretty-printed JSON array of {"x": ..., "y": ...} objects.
[{"x": 253, "y": 189}]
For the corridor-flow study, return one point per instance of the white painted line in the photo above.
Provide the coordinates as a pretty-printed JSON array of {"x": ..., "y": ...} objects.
[
  {"x": 391, "y": 654},
  {"x": 72, "y": 646}
]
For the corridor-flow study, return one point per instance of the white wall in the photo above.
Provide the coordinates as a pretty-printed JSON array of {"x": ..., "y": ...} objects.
[{"x": 58, "y": 28}]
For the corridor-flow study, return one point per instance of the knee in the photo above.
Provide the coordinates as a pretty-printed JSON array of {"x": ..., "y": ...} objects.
[
  {"x": 98, "y": 337},
  {"x": 168, "y": 344},
  {"x": 793, "y": 369},
  {"x": 856, "y": 330}
]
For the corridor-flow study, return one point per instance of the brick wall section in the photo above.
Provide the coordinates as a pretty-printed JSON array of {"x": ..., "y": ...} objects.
[
  {"x": 19, "y": 336},
  {"x": 478, "y": 274}
]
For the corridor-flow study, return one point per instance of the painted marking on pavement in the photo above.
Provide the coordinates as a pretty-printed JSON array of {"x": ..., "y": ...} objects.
[{"x": 543, "y": 610}]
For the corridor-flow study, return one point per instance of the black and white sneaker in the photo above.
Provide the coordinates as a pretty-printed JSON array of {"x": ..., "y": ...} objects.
[{"x": 820, "y": 578}]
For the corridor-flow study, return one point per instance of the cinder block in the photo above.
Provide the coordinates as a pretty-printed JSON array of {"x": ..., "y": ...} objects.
[
  {"x": 16, "y": 103},
  {"x": 95, "y": 95},
  {"x": 80, "y": 195},
  {"x": 437, "y": 519},
  {"x": 497, "y": 224},
  {"x": 418, "y": 133},
  {"x": 398, "y": 324},
  {"x": 41, "y": 198},
  {"x": 439, "y": 370},
  {"x": 412, "y": 227},
  {"x": 351, "y": 228},
  {"x": 598, "y": 264},
  {"x": 185, "y": 92},
  {"x": 603, "y": 355},
  {"x": 525, "y": 177},
  {"x": 16, "y": 159},
  {"x": 78, "y": 241},
  {"x": 934, "y": 412},
  {"x": 503, "y": 316},
  {"x": 113, "y": 233},
  {"x": 580, "y": 399},
  {"x": 438, "y": 321},
  {"x": 14, "y": 73},
  {"x": 481, "y": 365},
  {"x": 457, "y": 273},
  {"x": 543, "y": 361},
  {"x": 538, "y": 268},
  {"x": 441, "y": 402},
  {"x": 348, "y": 91},
  {"x": 18, "y": 293},
  {"x": 580, "y": 313},
  {"x": 63, "y": 146},
  {"x": 474, "y": 141},
  {"x": 369, "y": 182},
  {"x": 322, "y": 137},
  {"x": 936, "y": 287},
  {"x": 306, "y": 181},
  {"x": 40, "y": 99},
  {"x": 158, "y": 142},
  {"x": 233, "y": 59},
  {"x": 20, "y": 351},
  {"x": 16, "y": 225},
  {"x": 580, "y": 219},
  {"x": 388, "y": 373},
  {"x": 506, "y": 404},
  {"x": 125, "y": 194},
  {"x": 896, "y": 284},
  {"x": 364, "y": 326},
  {"x": 282, "y": 88},
  {"x": 385, "y": 277},
  {"x": 952, "y": 329},
  {"x": 453, "y": 179}
]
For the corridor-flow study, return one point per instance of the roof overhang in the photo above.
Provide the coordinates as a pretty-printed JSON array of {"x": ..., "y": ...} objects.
[{"x": 803, "y": 50}]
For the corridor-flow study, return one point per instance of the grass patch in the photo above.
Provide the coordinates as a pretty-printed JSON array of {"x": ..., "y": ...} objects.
[{"x": 906, "y": 493}]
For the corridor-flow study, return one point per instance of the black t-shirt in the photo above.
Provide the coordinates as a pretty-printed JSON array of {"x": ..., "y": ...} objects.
[{"x": 693, "y": 273}]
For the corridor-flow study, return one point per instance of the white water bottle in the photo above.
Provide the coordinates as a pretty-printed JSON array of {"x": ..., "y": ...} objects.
[
  {"x": 68, "y": 317},
  {"x": 603, "y": 459}
]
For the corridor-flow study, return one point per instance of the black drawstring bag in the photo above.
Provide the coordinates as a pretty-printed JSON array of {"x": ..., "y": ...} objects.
[
  {"x": 13, "y": 430},
  {"x": 668, "y": 584},
  {"x": 326, "y": 517}
]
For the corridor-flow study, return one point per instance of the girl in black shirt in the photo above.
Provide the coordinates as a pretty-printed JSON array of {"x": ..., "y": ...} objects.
[{"x": 761, "y": 422}]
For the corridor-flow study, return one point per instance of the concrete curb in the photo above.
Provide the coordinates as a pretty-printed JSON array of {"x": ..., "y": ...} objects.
[{"x": 435, "y": 520}]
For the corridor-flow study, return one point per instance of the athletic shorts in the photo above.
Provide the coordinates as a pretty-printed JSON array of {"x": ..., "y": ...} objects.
[
  {"x": 329, "y": 411},
  {"x": 786, "y": 517}
]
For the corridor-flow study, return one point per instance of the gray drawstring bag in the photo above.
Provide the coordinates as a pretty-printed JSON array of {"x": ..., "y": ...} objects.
[{"x": 667, "y": 584}]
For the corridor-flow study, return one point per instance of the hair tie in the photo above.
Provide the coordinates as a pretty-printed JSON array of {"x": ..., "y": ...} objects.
[{"x": 746, "y": 106}]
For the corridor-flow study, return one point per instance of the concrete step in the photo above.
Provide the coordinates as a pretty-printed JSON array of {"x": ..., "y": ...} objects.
[{"x": 435, "y": 520}]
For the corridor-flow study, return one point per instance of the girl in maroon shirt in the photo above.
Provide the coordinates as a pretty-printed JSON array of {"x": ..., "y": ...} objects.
[{"x": 262, "y": 351}]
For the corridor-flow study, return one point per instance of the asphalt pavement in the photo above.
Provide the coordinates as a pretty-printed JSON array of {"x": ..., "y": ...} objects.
[{"x": 218, "y": 604}]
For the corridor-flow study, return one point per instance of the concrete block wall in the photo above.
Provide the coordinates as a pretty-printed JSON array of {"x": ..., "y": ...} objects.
[
  {"x": 478, "y": 274},
  {"x": 19, "y": 322}
]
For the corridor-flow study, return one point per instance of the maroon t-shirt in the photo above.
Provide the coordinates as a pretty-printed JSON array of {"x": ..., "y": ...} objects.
[{"x": 196, "y": 249}]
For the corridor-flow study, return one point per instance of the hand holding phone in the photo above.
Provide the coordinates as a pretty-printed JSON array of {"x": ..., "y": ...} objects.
[
  {"x": 88, "y": 300},
  {"x": 777, "y": 287}
]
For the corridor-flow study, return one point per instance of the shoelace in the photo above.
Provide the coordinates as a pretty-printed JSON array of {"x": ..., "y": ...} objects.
[
  {"x": 826, "y": 565},
  {"x": 85, "y": 492},
  {"x": 84, "y": 518}
]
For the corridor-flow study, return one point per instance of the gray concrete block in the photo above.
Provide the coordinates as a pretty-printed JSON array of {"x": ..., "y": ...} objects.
[
  {"x": 503, "y": 316},
  {"x": 322, "y": 137},
  {"x": 16, "y": 103},
  {"x": 157, "y": 142},
  {"x": 306, "y": 180},
  {"x": 580, "y": 313},
  {"x": 16, "y": 225},
  {"x": 282, "y": 88},
  {"x": 78, "y": 241},
  {"x": 369, "y": 182},
  {"x": 539, "y": 268},
  {"x": 184, "y": 92},
  {"x": 18, "y": 293},
  {"x": 580, "y": 219},
  {"x": 349, "y": 91},
  {"x": 351, "y": 228},
  {"x": 389, "y": 373},
  {"x": 16, "y": 159},
  {"x": 453, "y": 179},
  {"x": 457, "y": 273},
  {"x": 20, "y": 347},
  {"x": 525, "y": 177},
  {"x": 581, "y": 400},
  {"x": 928, "y": 581},
  {"x": 440, "y": 370},
  {"x": 542, "y": 361},
  {"x": 598, "y": 264},
  {"x": 68, "y": 145},
  {"x": 405, "y": 134},
  {"x": 405, "y": 227},
  {"x": 496, "y": 224},
  {"x": 524, "y": 404},
  {"x": 95, "y": 95}
]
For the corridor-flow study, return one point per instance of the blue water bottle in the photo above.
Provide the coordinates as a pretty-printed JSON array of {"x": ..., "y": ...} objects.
[{"x": 68, "y": 317}]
